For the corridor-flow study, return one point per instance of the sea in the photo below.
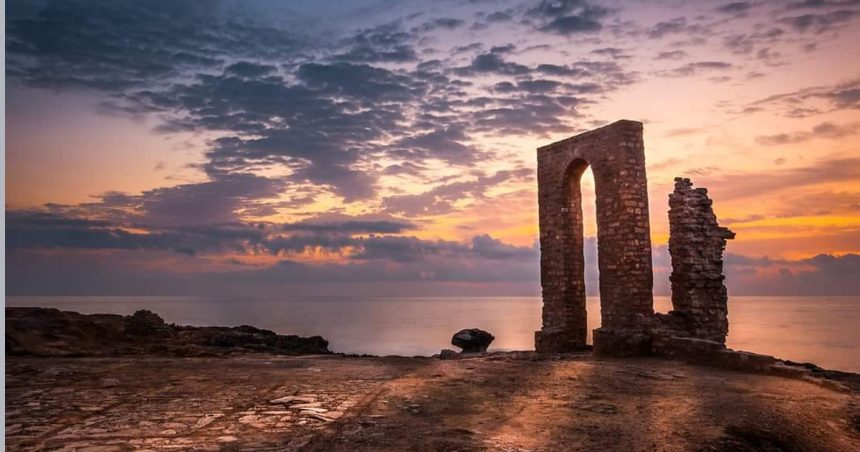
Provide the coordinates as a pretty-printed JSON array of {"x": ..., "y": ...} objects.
[{"x": 822, "y": 330}]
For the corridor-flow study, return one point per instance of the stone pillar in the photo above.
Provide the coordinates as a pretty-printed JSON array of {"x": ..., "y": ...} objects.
[
  {"x": 696, "y": 246},
  {"x": 617, "y": 158}
]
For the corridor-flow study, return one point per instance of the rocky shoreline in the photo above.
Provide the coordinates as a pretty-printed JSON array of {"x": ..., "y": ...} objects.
[
  {"x": 48, "y": 332},
  {"x": 121, "y": 383},
  {"x": 51, "y": 332}
]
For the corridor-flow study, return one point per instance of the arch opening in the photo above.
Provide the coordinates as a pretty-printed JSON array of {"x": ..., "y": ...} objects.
[{"x": 582, "y": 217}]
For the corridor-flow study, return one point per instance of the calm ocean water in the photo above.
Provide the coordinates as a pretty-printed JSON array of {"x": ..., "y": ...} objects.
[{"x": 823, "y": 330}]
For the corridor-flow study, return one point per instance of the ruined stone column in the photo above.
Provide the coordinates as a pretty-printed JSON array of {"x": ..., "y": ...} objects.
[
  {"x": 617, "y": 158},
  {"x": 696, "y": 246}
]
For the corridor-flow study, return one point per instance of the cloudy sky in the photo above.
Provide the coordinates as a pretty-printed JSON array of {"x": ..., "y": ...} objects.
[{"x": 388, "y": 147}]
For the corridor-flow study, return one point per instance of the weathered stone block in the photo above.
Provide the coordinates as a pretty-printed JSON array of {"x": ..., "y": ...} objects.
[
  {"x": 696, "y": 244},
  {"x": 610, "y": 342}
]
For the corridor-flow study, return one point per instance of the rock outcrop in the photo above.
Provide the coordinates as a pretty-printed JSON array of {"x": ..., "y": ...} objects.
[
  {"x": 447, "y": 353},
  {"x": 472, "y": 340},
  {"x": 51, "y": 332},
  {"x": 145, "y": 323}
]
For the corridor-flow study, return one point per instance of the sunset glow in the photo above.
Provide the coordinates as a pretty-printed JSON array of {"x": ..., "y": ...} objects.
[{"x": 372, "y": 145}]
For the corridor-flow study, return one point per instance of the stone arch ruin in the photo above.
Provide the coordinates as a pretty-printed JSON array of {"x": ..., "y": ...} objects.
[{"x": 616, "y": 156}]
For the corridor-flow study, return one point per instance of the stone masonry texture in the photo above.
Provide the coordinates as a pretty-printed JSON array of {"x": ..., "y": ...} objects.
[
  {"x": 696, "y": 246},
  {"x": 616, "y": 156},
  {"x": 629, "y": 326}
]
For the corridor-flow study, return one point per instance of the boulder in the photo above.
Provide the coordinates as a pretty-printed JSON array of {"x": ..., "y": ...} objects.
[
  {"x": 447, "y": 353},
  {"x": 146, "y": 323},
  {"x": 472, "y": 340}
]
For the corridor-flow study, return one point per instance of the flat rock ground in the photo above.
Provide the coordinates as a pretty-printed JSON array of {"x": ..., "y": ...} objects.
[{"x": 508, "y": 402}]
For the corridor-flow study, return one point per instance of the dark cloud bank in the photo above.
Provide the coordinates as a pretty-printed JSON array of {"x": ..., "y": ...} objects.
[
  {"x": 42, "y": 247},
  {"x": 56, "y": 254}
]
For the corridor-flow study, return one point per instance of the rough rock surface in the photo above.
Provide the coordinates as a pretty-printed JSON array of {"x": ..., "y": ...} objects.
[
  {"x": 472, "y": 340},
  {"x": 497, "y": 402},
  {"x": 147, "y": 324},
  {"x": 51, "y": 332},
  {"x": 447, "y": 353},
  {"x": 696, "y": 245}
]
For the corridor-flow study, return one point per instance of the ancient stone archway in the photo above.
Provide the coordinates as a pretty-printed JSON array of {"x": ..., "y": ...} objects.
[{"x": 617, "y": 159}]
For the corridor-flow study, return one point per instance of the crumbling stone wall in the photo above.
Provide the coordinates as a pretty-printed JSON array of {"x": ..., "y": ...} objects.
[
  {"x": 616, "y": 156},
  {"x": 696, "y": 246}
]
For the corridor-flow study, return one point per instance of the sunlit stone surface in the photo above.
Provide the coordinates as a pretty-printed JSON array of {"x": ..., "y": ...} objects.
[
  {"x": 617, "y": 158},
  {"x": 628, "y": 323},
  {"x": 515, "y": 401}
]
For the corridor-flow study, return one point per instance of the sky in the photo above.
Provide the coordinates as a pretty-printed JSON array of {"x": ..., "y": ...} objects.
[{"x": 383, "y": 147}]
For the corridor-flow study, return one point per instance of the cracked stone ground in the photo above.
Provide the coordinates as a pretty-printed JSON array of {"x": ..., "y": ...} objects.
[
  {"x": 508, "y": 402},
  {"x": 205, "y": 403}
]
